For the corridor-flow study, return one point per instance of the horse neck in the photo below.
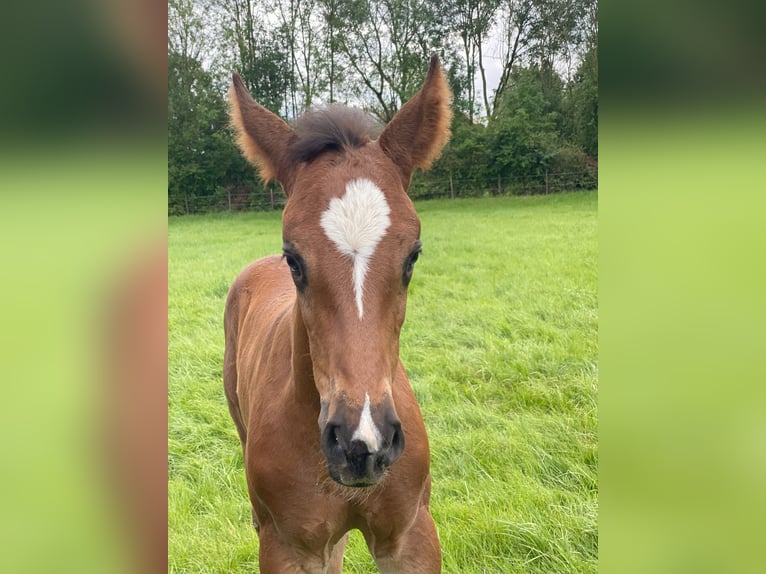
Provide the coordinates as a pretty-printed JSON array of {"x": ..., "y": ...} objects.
[{"x": 303, "y": 368}]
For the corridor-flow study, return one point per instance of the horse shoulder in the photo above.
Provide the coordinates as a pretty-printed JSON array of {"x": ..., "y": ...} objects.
[{"x": 257, "y": 302}]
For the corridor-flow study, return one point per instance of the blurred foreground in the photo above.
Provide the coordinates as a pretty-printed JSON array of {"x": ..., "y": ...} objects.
[{"x": 84, "y": 298}]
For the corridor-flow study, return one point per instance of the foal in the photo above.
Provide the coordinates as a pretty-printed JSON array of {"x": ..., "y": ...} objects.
[{"x": 332, "y": 435}]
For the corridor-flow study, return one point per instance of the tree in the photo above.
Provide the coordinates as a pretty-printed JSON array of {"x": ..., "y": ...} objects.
[
  {"x": 387, "y": 44},
  {"x": 466, "y": 158},
  {"x": 294, "y": 53},
  {"x": 524, "y": 136},
  {"x": 581, "y": 125},
  {"x": 301, "y": 32},
  {"x": 555, "y": 31},
  {"x": 515, "y": 17},
  {"x": 546, "y": 33},
  {"x": 202, "y": 158},
  {"x": 186, "y": 23},
  {"x": 258, "y": 52},
  {"x": 473, "y": 20},
  {"x": 332, "y": 31}
]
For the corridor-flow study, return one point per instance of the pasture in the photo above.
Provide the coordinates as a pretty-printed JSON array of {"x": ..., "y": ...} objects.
[{"x": 500, "y": 344}]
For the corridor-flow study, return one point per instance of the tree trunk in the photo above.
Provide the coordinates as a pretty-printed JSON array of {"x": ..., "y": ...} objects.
[{"x": 487, "y": 108}]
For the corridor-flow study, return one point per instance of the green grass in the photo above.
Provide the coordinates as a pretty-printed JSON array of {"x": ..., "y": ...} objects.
[{"x": 500, "y": 344}]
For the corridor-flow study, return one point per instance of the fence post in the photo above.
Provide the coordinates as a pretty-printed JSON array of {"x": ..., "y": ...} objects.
[
  {"x": 451, "y": 187},
  {"x": 546, "y": 182},
  {"x": 499, "y": 185},
  {"x": 228, "y": 194}
]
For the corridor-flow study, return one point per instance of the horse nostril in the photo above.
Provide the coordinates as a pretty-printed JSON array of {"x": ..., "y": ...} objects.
[
  {"x": 395, "y": 446},
  {"x": 332, "y": 442},
  {"x": 397, "y": 441}
]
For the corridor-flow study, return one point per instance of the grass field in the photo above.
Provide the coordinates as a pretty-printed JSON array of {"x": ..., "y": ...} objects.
[{"x": 500, "y": 344}]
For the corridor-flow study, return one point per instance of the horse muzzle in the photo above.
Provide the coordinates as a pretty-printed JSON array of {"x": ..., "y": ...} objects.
[{"x": 359, "y": 454}]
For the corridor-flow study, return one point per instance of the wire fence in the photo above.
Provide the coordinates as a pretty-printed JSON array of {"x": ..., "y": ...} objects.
[{"x": 271, "y": 197}]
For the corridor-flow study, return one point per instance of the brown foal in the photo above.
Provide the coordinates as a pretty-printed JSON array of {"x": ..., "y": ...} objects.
[{"x": 332, "y": 435}]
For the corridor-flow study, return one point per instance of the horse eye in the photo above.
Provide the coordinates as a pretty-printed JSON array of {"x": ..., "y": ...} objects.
[
  {"x": 295, "y": 264},
  {"x": 292, "y": 263},
  {"x": 410, "y": 265}
]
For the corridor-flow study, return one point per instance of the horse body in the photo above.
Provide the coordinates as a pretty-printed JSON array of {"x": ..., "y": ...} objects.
[
  {"x": 296, "y": 503},
  {"x": 332, "y": 435}
]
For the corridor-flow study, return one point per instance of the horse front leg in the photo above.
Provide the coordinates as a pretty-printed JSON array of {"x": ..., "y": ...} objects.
[
  {"x": 278, "y": 556},
  {"x": 417, "y": 551},
  {"x": 336, "y": 558}
]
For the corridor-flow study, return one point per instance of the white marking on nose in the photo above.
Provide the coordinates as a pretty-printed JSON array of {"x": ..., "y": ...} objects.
[
  {"x": 356, "y": 223},
  {"x": 367, "y": 432}
]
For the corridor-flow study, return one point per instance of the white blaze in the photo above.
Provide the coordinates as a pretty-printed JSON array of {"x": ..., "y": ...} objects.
[
  {"x": 356, "y": 223},
  {"x": 367, "y": 432}
]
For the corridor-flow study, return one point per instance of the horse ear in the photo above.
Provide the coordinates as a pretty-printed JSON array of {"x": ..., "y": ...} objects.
[
  {"x": 262, "y": 136},
  {"x": 418, "y": 132}
]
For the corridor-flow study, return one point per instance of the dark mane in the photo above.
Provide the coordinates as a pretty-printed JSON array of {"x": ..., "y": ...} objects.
[{"x": 332, "y": 128}]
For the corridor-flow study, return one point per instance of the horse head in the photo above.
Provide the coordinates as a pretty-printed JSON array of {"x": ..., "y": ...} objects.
[{"x": 350, "y": 240}]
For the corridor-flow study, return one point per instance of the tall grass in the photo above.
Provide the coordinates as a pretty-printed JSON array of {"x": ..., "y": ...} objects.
[{"x": 500, "y": 344}]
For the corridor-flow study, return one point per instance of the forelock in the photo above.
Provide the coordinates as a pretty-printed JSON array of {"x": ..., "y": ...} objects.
[{"x": 331, "y": 128}]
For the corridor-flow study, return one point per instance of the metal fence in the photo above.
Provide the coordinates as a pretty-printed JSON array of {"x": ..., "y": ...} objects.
[{"x": 423, "y": 186}]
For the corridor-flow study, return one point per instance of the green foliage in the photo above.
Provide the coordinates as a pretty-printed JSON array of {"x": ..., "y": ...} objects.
[
  {"x": 387, "y": 45},
  {"x": 262, "y": 68},
  {"x": 540, "y": 133},
  {"x": 463, "y": 164},
  {"x": 523, "y": 134},
  {"x": 500, "y": 344},
  {"x": 582, "y": 105},
  {"x": 523, "y": 150},
  {"x": 202, "y": 156},
  {"x": 574, "y": 169}
]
